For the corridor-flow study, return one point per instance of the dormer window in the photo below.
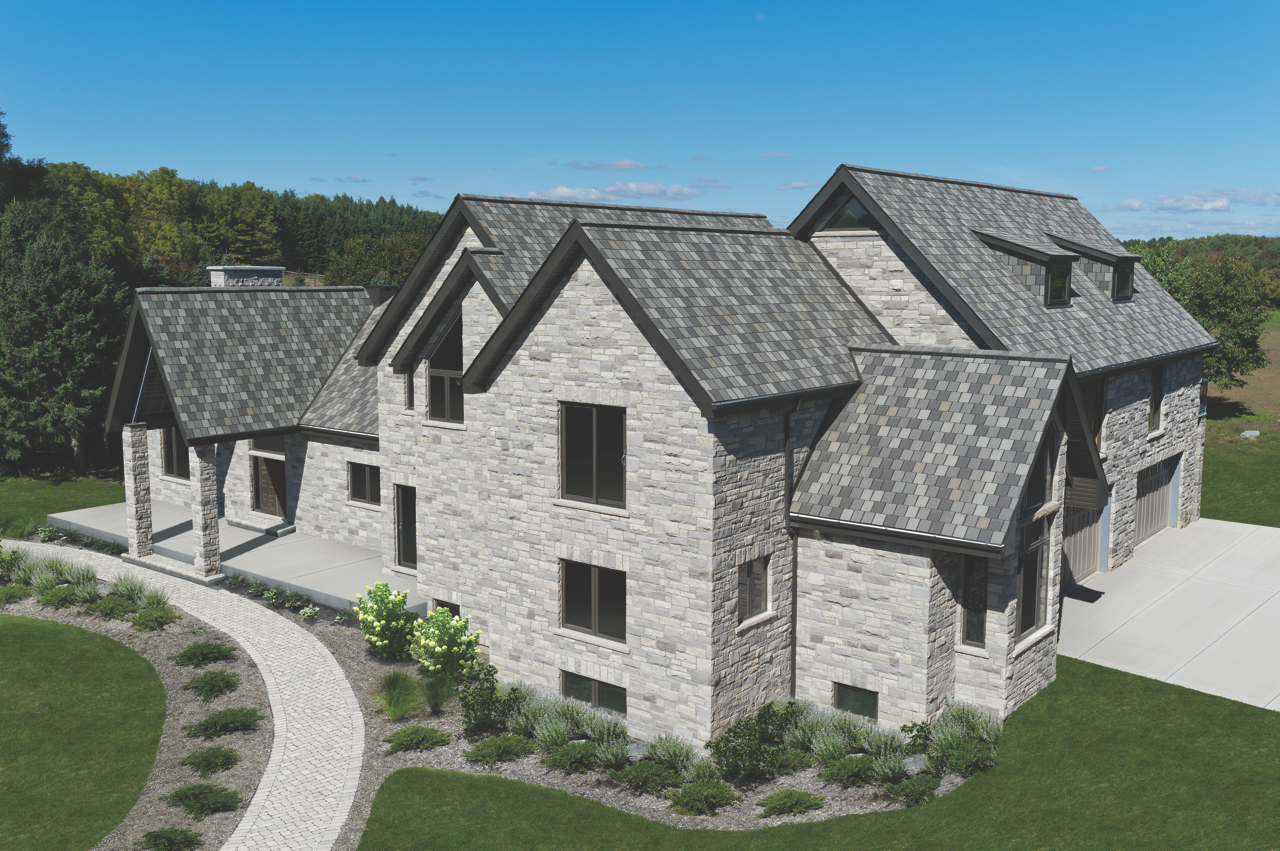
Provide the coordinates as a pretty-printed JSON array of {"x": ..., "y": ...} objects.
[
  {"x": 852, "y": 216},
  {"x": 1057, "y": 285},
  {"x": 1122, "y": 283},
  {"x": 444, "y": 376}
]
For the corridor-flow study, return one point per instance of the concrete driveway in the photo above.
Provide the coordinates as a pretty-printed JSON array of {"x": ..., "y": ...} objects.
[{"x": 1199, "y": 607}]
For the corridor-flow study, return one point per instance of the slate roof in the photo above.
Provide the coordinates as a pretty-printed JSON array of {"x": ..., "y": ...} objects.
[
  {"x": 938, "y": 216},
  {"x": 247, "y": 359},
  {"x": 348, "y": 401},
  {"x": 934, "y": 442}
]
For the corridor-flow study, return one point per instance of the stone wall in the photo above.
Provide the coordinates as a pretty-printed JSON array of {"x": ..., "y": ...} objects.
[
  {"x": 164, "y": 488},
  {"x": 944, "y": 628},
  {"x": 321, "y": 497},
  {"x": 895, "y": 290}
]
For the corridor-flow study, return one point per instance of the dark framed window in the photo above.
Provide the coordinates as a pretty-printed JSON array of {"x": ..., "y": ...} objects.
[
  {"x": 1040, "y": 482},
  {"x": 1057, "y": 285},
  {"x": 408, "y": 391},
  {"x": 407, "y": 525},
  {"x": 1033, "y": 564},
  {"x": 363, "y": 484},
  {"x": 1122, "y": 283},
  {"x": 452, "y": 608},
  {"x": 859, "y": 701},
  {"x": 599, "y": 694},
  {"x": 1157, "y": 397},
  {"x": 1204, "y": 397},
  {"x": 852, "y": 216},
  {"x": 270, "y": 443},
  {"x": 595, "y": 600},
  {"x": 593, "y": 453},
  {"x": 753, "y": 588},
  {"x": 975, "y": 601},
  {"x": 177, "y": 462},
  {"x": 444, "y": 376}
]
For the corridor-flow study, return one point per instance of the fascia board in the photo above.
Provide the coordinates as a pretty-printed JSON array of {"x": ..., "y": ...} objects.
[
  {"x": 464, "y": 272},
  {"x": 803, "y": 225},
  {"x": 1110, "y": 258},
  {"x": 1018, "y": 249},
  {"x": 122, "y": 366},
  {"x": 901, "y": 536},
  {"x": 164, "y": 379}
]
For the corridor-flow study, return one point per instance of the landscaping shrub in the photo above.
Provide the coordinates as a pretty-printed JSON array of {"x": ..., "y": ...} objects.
[
  {"x": 24, "y": 570},
  {"x": 235, "y": 581},
  {"x": 829, "y": 747},
  {"x": 416, "y": 739},
  {"x": 9, "y": 561},
  {"x": 889, "y": 769},
  {"x": 203, "y": 799},
  {"x": 915, "y": 790},
  {"x": 44, "y": 578},
  {"x": 212, "y": 759},
  {"x": 203, "y": 653},
  {"x": 850, "y": 771},
  {"x": 964, "y": 741},
  {"x": 917, "y": 737},
  {"x": 551, "y": 733},
  {"x": 130, "y": 588},
  {"x": 442, "y": 645},
  {"x": 500, "y": 748},
  {"x": 387, "y": 627},
  {"x": 150, "y": 620},
  {"x": 884, "y": 744},
  {"x": 344, "y": 615},
  {"x": 786, "y": 801},
  {"x": 437, "y": 691},
  {"x": 573, "y": 758},
  {"x": 86, "y": 594},
  {"x": 601, "y": 728},
  {"x": 647, "y": 777},
  {"x": 154, "y": 599},
  {"x": 59, "y": 597},
  {"x": 170, "y": 839},
  {"x": 673, "y": 752},
  {"x": 702, "y": 771},
  {"x": 49, "y": 534},
  {"x": 613, "y": 755},
  {"x": 741, "y": 753},
  {"x": 791, "y": 760},
  {"x": 296, "y": 601},
  {"x": 485, "y": 704},
  {"x": 224, "y": 722},
  {"x": 80, "y": 576},
  {"x": 214, "y": 684},
  {"x": 310, "y": 612},
  {"x": 972, "y": 722},
  {"x": 113, "y": 607},
  {"x": 965, "y": 757},
  {"x": 276, "y": 597},
  {"x": 777, "y": 718},
  {"x": 702, "y": 799},
  {"x": 15, "y": 593},
  {"x": 400, "y": 695},
  {"x": 258, "y": 588}
]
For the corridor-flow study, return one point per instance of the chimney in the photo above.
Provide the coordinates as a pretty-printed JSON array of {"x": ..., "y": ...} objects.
[{"x": 246, "y": 276}]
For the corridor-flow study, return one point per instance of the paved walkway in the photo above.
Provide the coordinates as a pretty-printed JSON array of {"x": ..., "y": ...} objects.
[
  {"x": 318, "y": 748},
  {"x": 1198, "y": 606}
]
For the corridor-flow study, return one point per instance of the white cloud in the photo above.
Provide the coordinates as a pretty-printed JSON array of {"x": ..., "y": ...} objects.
[
  {"x": 1249, "y": 196},
  {"x": 1128, "y": 204},
  {"x": 1098, "y": 169},
  {"x": 1192, "y": 203},
  {"x": 699, "y": 158},
  {"x": 355, "y": 178},
  {"x": 778, "y": 154},
  {"x": 564, "y": 193},
  {"x": 614, "y": 191},
  {"x": 418, "y": 178},
  {"x": 616, "y": 165},
  {"x": 319, "y": 180},
  {"x": 797, "y": 184}
]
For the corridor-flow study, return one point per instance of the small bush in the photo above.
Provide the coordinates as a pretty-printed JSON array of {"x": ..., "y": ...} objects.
[
  {"x": 214, "y": 684},
  {"x": 850, "y": 771},
  {"x": 9, "y": 561},
  {"x": 15, "y": 593},
  {"x": 225, "y": 722},
  {"x": 44, "y": 579},
  {"x": 551, "y": 733},
  {"x": 702, "y": 771},
  {"x": 647, "y": 777},
  {"x": 344, "y": 616},
  {"x": 24, "y": 570},
  {"x": 702, "y": 799},
  {"x": 787, "y": 801},
  {"x": 112, "y": 607},
  {"x": 965, "y": 757},
  {"x": 296, "y": 601},
  {"x": 673, "y": 752},
  {"x": 150, "y": 620},
  {"x": 170, "y": 839},
  {"x": 235, "y": 581},
  {"x": 154, "y": 599},
  {"x": 86, "y": 594},
  {"x": 258, "y": 588},
  {"x": 387, "y": 626},
  {"x": 883, "y": 744},
  {"x": 972, "y": 722},
  {"x": 416, "y": 739},
  {"x": 829, "y": 747},
  {"x": 49, "y": 534},
  {"x": 310, "y": 612},
  {"x": 915, "y": 790},
  {"x": 212, "y": 759},
  {"x": 204, "y": 799},
  {"x": 601, "y": 728},
  {"x": 115, "y": 548},
  {"x": 442, "y": 644},
  {"x": 130, "y": 588},
  {"x": 437, "y": 690},
  {"x": 741, "y": 753},
  {"x": 917, "y": 737},
  {"x": 613, "y": 755},
  {"x": 81, "y": 576},
  {"x": 203, "y": 653},
  {"x": 276, "y": 597},
  {"x": 486, "y": 705},
  {"x": 889, "y": 769},
  {"x": 573, "y": 758},
  {"x": 791, "y": 760},
  {"x": 59, "y": 597},
  {"x": 501, "y": 748},
  {"x": 399, "y": 696},
  {"x": 778, "y": 718}
]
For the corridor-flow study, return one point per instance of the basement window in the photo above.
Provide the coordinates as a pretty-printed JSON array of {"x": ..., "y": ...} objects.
[
  {"x": 452, "y": 608},
  {"x": 177, "y": 462},
  {"x": 444, "y": 376},
  {"x": 599, "y": 694},
  {"x": 859, "y": 701}
]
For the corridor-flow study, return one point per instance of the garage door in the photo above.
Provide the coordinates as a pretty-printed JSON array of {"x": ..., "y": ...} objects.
[
  {"x": 1082, "y": 537},
  {"x": 1154, "y": 494}
]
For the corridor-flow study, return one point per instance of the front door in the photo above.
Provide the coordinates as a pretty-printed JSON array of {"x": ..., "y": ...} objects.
[{"x": 268, "y": 486}]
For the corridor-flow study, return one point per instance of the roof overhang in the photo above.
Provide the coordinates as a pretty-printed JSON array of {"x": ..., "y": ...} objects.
[
  {"x": 1094, "y": 252},
  {"x": 1011, "y": 245},
  {"x": 898, "y": 536}
]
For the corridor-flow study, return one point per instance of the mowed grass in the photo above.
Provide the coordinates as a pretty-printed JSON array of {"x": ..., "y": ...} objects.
[
  {"x": 80, "y": 721},
  {"x": 1099, "y": 760},
  {"x": 23, "y": 500}
]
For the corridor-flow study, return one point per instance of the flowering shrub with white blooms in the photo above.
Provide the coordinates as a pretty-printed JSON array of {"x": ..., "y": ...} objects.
[
  {"x": 442, "y": 645},
  {"x": 387, "y": 627}
]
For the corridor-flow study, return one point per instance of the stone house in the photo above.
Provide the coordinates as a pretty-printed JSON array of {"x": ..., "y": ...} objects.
[{"x": 679, "y": 463}]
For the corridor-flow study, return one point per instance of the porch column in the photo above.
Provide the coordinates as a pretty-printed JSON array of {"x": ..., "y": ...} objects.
[
  {"x": 204, "y": 508},
  {"x": 137, "y": 489}
]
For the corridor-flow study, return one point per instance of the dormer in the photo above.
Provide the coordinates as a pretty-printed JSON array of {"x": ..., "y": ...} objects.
[
  {"x": 1117, "y": 277},
  {"x": 1045, "y": 268}
]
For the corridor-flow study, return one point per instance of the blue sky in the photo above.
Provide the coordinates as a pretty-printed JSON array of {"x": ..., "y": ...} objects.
[{"x": 1161, "y": 117}]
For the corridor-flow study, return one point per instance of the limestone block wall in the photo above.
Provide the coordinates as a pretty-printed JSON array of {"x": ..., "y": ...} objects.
[
  {"x": 944, "y": 628},
  {"x": 165, "y": 488},
  {"x": 321, "y": 497},
  {"x": 237, "y": 490},
  {"x": 895, "y": 290}
]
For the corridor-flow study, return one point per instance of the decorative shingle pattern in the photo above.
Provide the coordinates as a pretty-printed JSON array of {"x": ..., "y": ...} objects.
[
  {"x": 938, "y": 217},
  {"x": 750, "y": 314},
  {"x": 239, "y": 360},
  {"x": 349, "y": 399},
  {"x": 933, "y": 442}
]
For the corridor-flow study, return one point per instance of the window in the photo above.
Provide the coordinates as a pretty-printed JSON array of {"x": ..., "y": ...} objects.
[
  {"x": 1122, "y": 283},
  {"x": 852, "y": 216},
  {"x": 1093, "y": 393},
  {"x": 452, "y": 608},
  {"x": 1040, "y": 483},
  {"x": 595, "y": 600},
  {"x": 753, "y": 588},
  {"x": 1058, "y": 286},
  {"x": 975, "y": 601},
  {"x": 406, "y": 525},
  {"x": 362, "y": 484},
  {"x": 1204, "y": 397},
  {"x": 593, "y": 453},
  {"x": 859, "y": 701},
  {"x": 270, "y": 443},
  {"x": 177, "y": 462},
  {"x": 408, "y": 391},
  {"x": 444, "y": 376},
  {"x": 600, "y": 695},
  {"x": 1032, "y": 565},
  {"x": 1157, "y": 398}
]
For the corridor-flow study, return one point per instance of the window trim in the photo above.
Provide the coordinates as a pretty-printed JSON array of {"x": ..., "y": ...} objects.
[
  {"x": 1115, "y": 281},
  {"x": 595, "y": 692},
  {"x": 368, "y": 489},
  {"x": 969, "y": 568},
  {"x": 448, "y": 376},
  {"x": 594, "y": 631},
  {"x": 1049, "y": 270},
  {"x": 595, "y": 498}
]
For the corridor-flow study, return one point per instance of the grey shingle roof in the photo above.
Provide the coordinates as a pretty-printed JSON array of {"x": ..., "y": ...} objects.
[
  {"x": 934, "y": 442},
  {"x": 938, "y": 217},
  {"x": 348, "y": 401},
  {"x": 247, "y": 359}
]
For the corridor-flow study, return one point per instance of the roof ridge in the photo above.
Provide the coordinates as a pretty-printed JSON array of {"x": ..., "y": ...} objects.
[
  {"x": 678, "y": 228},
  {"x": 961, "y": 353},
  {"x": 551, "y": 202},
  {"x": 240, "y": 290},
  {"x": 936, "y": 179}
]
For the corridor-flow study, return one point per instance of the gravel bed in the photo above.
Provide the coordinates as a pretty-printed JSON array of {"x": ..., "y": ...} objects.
[{"x": 183, "y": 707}]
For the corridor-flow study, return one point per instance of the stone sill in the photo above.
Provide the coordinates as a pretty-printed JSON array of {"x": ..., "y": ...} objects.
[
  {"x": 749, "y": 623},
  {"x": 1033, "y": 639},
  {"x": 587, "y": 638},
  {"x": 1155, "y": 435},
  {"x": 367, "y": 506},
  {"x": 401, "y": 570},
  {"x": 969, "y": 650},
  {"x": 591, "y": 506},
  {"x": 429, "y": 423},
  {"x": 175, "y": 480}
]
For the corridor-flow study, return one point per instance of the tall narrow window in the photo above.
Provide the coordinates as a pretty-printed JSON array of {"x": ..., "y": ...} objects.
[
  {"x": 444, "y": 375},
  {"x": 753, "y": 588},
  {"x": 599, "y": 694},
  {"x": 1157, "y": 397},
  {"x": 593, "y": 453},
  {"x": 1204, "y": 397},
  {"x": 407, "y": 525},
  {"x": 177, "y": 462},
  {"x": 1058, "y": 286},
  {"x": 975, "y": 601},
  {"x": 859, "y": 701},
  {"x": 1032, "y": 566},
  {"x": 595, "y": 600},
  {"x": 363, "y": 484},
  {"x": 1122, "y": 288},
  {"x": 408, "y": 391},
  {"x": 1040, "y": 483}
]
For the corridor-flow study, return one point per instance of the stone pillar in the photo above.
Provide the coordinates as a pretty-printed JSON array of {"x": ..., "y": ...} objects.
[
  {"x": 137, "y": 489},
  {"x": 204, "y": 508}
]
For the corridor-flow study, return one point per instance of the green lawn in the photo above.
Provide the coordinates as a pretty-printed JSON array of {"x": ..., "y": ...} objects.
[
  {"x": 30, "y": 500},
  {"x": 80, "y": 721},
  {"x": 1099, "y": 760}
]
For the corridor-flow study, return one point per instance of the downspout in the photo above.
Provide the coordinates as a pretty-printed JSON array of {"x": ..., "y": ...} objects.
[{"x": 789, "y": 472}]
